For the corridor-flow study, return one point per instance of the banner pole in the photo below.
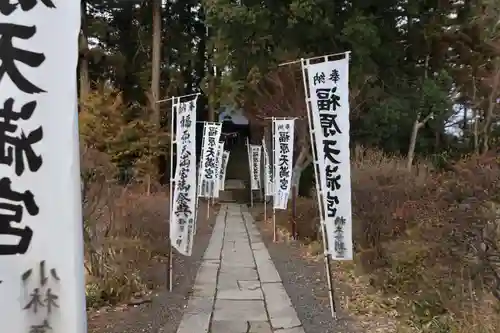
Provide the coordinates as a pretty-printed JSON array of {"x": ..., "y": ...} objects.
[
  {"x": 199, "y": 178},
  {"x": 250, "y": 170},
  {"x": 208, "y": 209},
  {"x": 202, "y": 171},
  {"x": 171, "y": 268},
  {"x": 262, "y": 191},
  {"x": 171, "y": 194},
  {"x": 265, "y": 209},
  {"x": 274, "y": 223},
  {"x": 326, "y": 256},
  {"x": 274, "y": 179},
  {"x": 265, "y": 158},
  {"x": 294, "y": 212}
]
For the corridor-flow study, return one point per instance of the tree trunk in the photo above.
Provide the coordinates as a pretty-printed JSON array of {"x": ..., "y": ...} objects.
[
  {"x": 475, "y": 127},
  {"x": 155, "y": 85},
  {"x": 437, "y": 141},
  {"x": 199, "y": 66},
  {"x": 413, "y": 143},
  {"x": 84, "y": 50},
  {"x": 302, "y": 162},
  {"x": 492, "y": 103},
  {"x": 156, "y": 62},
  {"x": 418, "y": 124},
  {"x": 212, "y": 81},
  {"x": 212, "y": 102}
]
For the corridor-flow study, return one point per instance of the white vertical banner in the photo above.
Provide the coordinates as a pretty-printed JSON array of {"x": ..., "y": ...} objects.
[
  {"x": 222, "y": 178},
  {"x": 283, "y": 161},
  {"x": 41, "y": 242},
  {"x": 218, "y": 172},
  {"x": 255, "y": 156},
  {"x": 268, "y": 174},
  {"x": 183, "y": 215},
  {"x": 209, "y": 180},
  {"x": 198, "y": 185},
  {"x": 329, "y": 98}
]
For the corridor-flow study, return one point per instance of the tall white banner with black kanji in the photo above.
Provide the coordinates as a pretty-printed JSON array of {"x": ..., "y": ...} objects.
[
  {"x": 283, "y": 136},
  {"x": 329, "y": 90},
  {"x": 212, "y": 132},
  {"x": 218, "y": 172},
  {"x": 268, "y": 174},
  {"x": 41, "y": 242},
  {"x": 222, "y": 178},
  {"x": 198, "y": 184},
  {"x": 183, "y": 216},
  {"x": 255, "y": 156}
]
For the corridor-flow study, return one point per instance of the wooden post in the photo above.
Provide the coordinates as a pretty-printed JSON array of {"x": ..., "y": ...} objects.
[{"x": 294, "y": 212}]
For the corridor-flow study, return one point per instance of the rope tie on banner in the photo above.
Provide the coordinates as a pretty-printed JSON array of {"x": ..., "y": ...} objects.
[
  {"x": 307, "y": 60},
  {"x": 179, "y": 97}
]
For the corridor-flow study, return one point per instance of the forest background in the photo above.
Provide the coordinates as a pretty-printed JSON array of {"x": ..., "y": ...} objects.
[{"x": 425, "y": 130}]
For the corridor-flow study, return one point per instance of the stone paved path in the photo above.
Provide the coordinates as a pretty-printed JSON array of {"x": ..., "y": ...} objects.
[{"x": 237, "y": 289}]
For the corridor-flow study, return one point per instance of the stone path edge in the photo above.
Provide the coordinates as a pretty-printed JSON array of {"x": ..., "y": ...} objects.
[
  {"x": 283, "y": 319},
  {"x": 201, "y": 304}
]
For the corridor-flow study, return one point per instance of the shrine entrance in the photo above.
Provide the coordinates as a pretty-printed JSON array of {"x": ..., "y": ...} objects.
[{"x": 235, "y": 128}]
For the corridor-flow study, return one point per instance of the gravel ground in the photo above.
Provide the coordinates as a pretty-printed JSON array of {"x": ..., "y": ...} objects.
[
  {"x": 164, "y": 313},
  {"x": 305, "y": 281}
]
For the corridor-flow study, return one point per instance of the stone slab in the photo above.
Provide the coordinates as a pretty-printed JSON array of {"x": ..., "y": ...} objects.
[
  {"x": 207, "y": 273},
  {"x": 224, "y": 326},
  {"x": 279, "y": 306},
  {"x": 197, "y": 315},
  {"x": 268, "y": 273},
  {"x": 205, "y": 290},
  {"x": 242, "y": 273},
  {"x": 234, "y": 264},
  {"x": 194, "y": 323},
  {"x": 213, "y": 251},
  {"x": 299, "y": 329},
  {"x": 249, "y": 284},
  {"x": 259, "y": 327},
  {"x": 227, "y": 282},
  {"x": 258, "y": 246},
  {"x": 234, "y": 184},
  {"x": 197, "y": 305},
  {"x": 227, "y": 326},
  {"x": 243, "y": 310},
  {"x": 247, "y": 290},
  {"x": 236, "y": 294}
]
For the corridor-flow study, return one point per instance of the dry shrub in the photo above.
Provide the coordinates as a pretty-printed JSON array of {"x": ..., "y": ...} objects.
[
  {"x": 124, "y": 226},
  {"x": 125, "y": 230},
  {"x": 431, "y": 238},
  {"x": 123, "y": 132},
  {"x": 430, "y": 233},
  {"x": 306, "y": 219},
  {"x": 384, "y": 196}
]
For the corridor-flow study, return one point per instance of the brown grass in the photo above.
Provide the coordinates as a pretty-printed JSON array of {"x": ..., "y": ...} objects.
[
  {"x": 427, "y": 242},
  {"x": 125, "y": 233}
]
